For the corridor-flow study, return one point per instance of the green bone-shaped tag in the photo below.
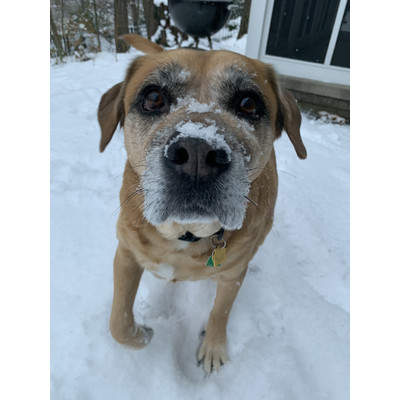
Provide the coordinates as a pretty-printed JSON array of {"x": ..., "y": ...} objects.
[
  {"x": 217, "y": 257},
  {"x": 210, "y": 262}
]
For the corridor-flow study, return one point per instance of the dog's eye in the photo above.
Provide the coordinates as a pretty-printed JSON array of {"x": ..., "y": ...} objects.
[
  {"x": 247, "y": 106},
  {"x": 154, "y": 100}
]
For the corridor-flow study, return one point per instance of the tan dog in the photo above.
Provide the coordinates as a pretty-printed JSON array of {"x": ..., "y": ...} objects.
[{"x": 200, "y": 179}]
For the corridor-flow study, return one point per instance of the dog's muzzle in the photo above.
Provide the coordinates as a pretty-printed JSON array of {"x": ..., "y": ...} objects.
[{"x": 196, "y": 176}]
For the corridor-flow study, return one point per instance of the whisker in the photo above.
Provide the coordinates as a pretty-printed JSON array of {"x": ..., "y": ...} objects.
[
  {"x": 254, "y": 169},
  {"x": 128, "y": 198},
  {"x": 138, "y": 214},
  {"x": 265, "y": 217},
  {"x": 252, "y": 201},
  {"x": 139, "y": 165},
  {"x": 287, "y": 173},
  {"x": 145, "y": 209},
  {"x": 117, "y": 176},
  {"x": 257, "y": 186}
]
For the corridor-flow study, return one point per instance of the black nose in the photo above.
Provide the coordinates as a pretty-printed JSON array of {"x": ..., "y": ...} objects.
[{"x": 196, "y": 158}]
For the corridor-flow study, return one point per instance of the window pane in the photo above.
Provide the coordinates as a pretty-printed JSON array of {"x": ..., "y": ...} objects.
[
  {"x": 341, "y": 55},
  {"x": 301, "y": 29}
]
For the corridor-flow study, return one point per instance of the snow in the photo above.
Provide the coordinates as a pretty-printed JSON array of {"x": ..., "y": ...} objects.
[
  {"x": 288, "y": 333},
  {"x": 159, "y": 2},
  {"x": 198, "y": 130},
  {"x": 194, "y": 106}
]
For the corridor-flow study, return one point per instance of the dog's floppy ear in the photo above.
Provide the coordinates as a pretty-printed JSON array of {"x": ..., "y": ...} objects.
[
  {"x": 289, "y": 119},
  {"x": 142, "y": 44},
  {"x": 111, "y": 109},
  {"x": 110, "y": 113}
]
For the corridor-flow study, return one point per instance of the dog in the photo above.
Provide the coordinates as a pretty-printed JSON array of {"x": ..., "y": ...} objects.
[{"x": 200, "y": 181}]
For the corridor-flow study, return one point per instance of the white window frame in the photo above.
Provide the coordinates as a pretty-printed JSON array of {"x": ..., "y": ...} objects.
[{"x": 257, "y": 39}]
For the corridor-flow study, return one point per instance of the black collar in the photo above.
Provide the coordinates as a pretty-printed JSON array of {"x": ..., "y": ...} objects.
[{"x": 189, "y": 237}]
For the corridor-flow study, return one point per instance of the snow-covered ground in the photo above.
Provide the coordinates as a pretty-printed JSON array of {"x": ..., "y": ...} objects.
[{"x": 289, "y": 328}]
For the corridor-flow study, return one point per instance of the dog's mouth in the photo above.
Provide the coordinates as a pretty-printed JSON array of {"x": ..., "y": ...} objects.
[
  {"x": 196, "y": 177},
  {"x": 187, "y": 204},
  {"x": 203, "y": 201}
]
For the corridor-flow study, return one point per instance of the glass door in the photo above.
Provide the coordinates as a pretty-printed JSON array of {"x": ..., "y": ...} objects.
[
  {"x": 341, "y": 54},
  {"x": 308, "y": 38}
]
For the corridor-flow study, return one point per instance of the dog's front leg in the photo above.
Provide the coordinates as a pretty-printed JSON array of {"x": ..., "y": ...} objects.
[
  {"x": 213, "y": 351},
  {"x": 127, "y": 274}
]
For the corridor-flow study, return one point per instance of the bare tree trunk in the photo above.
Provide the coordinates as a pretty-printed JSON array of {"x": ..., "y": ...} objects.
[
  {"x": 62, "y": 26},
  {"x": 135, "y": 8},
  {"x": 121, "y": 24},
  {"x": 244, "y": 23},
  {"x": 149, "y": 16},
  {"x": 56, "y": 37},
  {"x": 97, "y": 26}
]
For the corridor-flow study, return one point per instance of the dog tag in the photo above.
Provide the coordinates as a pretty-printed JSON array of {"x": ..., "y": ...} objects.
[
  {"x": 210, "y": 262},
  {"x": 219, "y": 256}
]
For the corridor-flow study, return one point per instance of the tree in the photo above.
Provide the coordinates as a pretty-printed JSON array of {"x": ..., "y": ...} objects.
[
  {"x": 150, "y": 17},
  {"x": 56, "y": 37},
  {"x": 121, "y": 24},
  {"x": 244, "y": 23},
  {"x": 96, "y": 22},
  {"x": 135, "y": 8}
]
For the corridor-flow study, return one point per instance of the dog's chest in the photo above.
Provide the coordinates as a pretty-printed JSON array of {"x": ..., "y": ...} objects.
[
  {"x": 162, "y": 271},
  {"x": 173, "y": 270},
  {"x": 176, "y": 266}
]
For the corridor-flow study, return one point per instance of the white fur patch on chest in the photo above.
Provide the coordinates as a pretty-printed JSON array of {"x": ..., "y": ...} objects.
[
  {"x": 182, "y": 245},
  {"x": 164, "y": 271}
]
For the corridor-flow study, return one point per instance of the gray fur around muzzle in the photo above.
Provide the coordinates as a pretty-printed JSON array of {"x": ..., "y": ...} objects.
[{"x": 197, "y": 175}]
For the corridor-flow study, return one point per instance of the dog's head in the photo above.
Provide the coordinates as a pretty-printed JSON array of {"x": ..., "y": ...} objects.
[{"x": 199, "y": 127}]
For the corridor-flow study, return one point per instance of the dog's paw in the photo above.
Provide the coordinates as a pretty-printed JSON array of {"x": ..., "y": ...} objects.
[
  {"x": 142, "y": 335},
  {"x": 136, "y": 336},
  {"x": 212, "y": 354}
]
